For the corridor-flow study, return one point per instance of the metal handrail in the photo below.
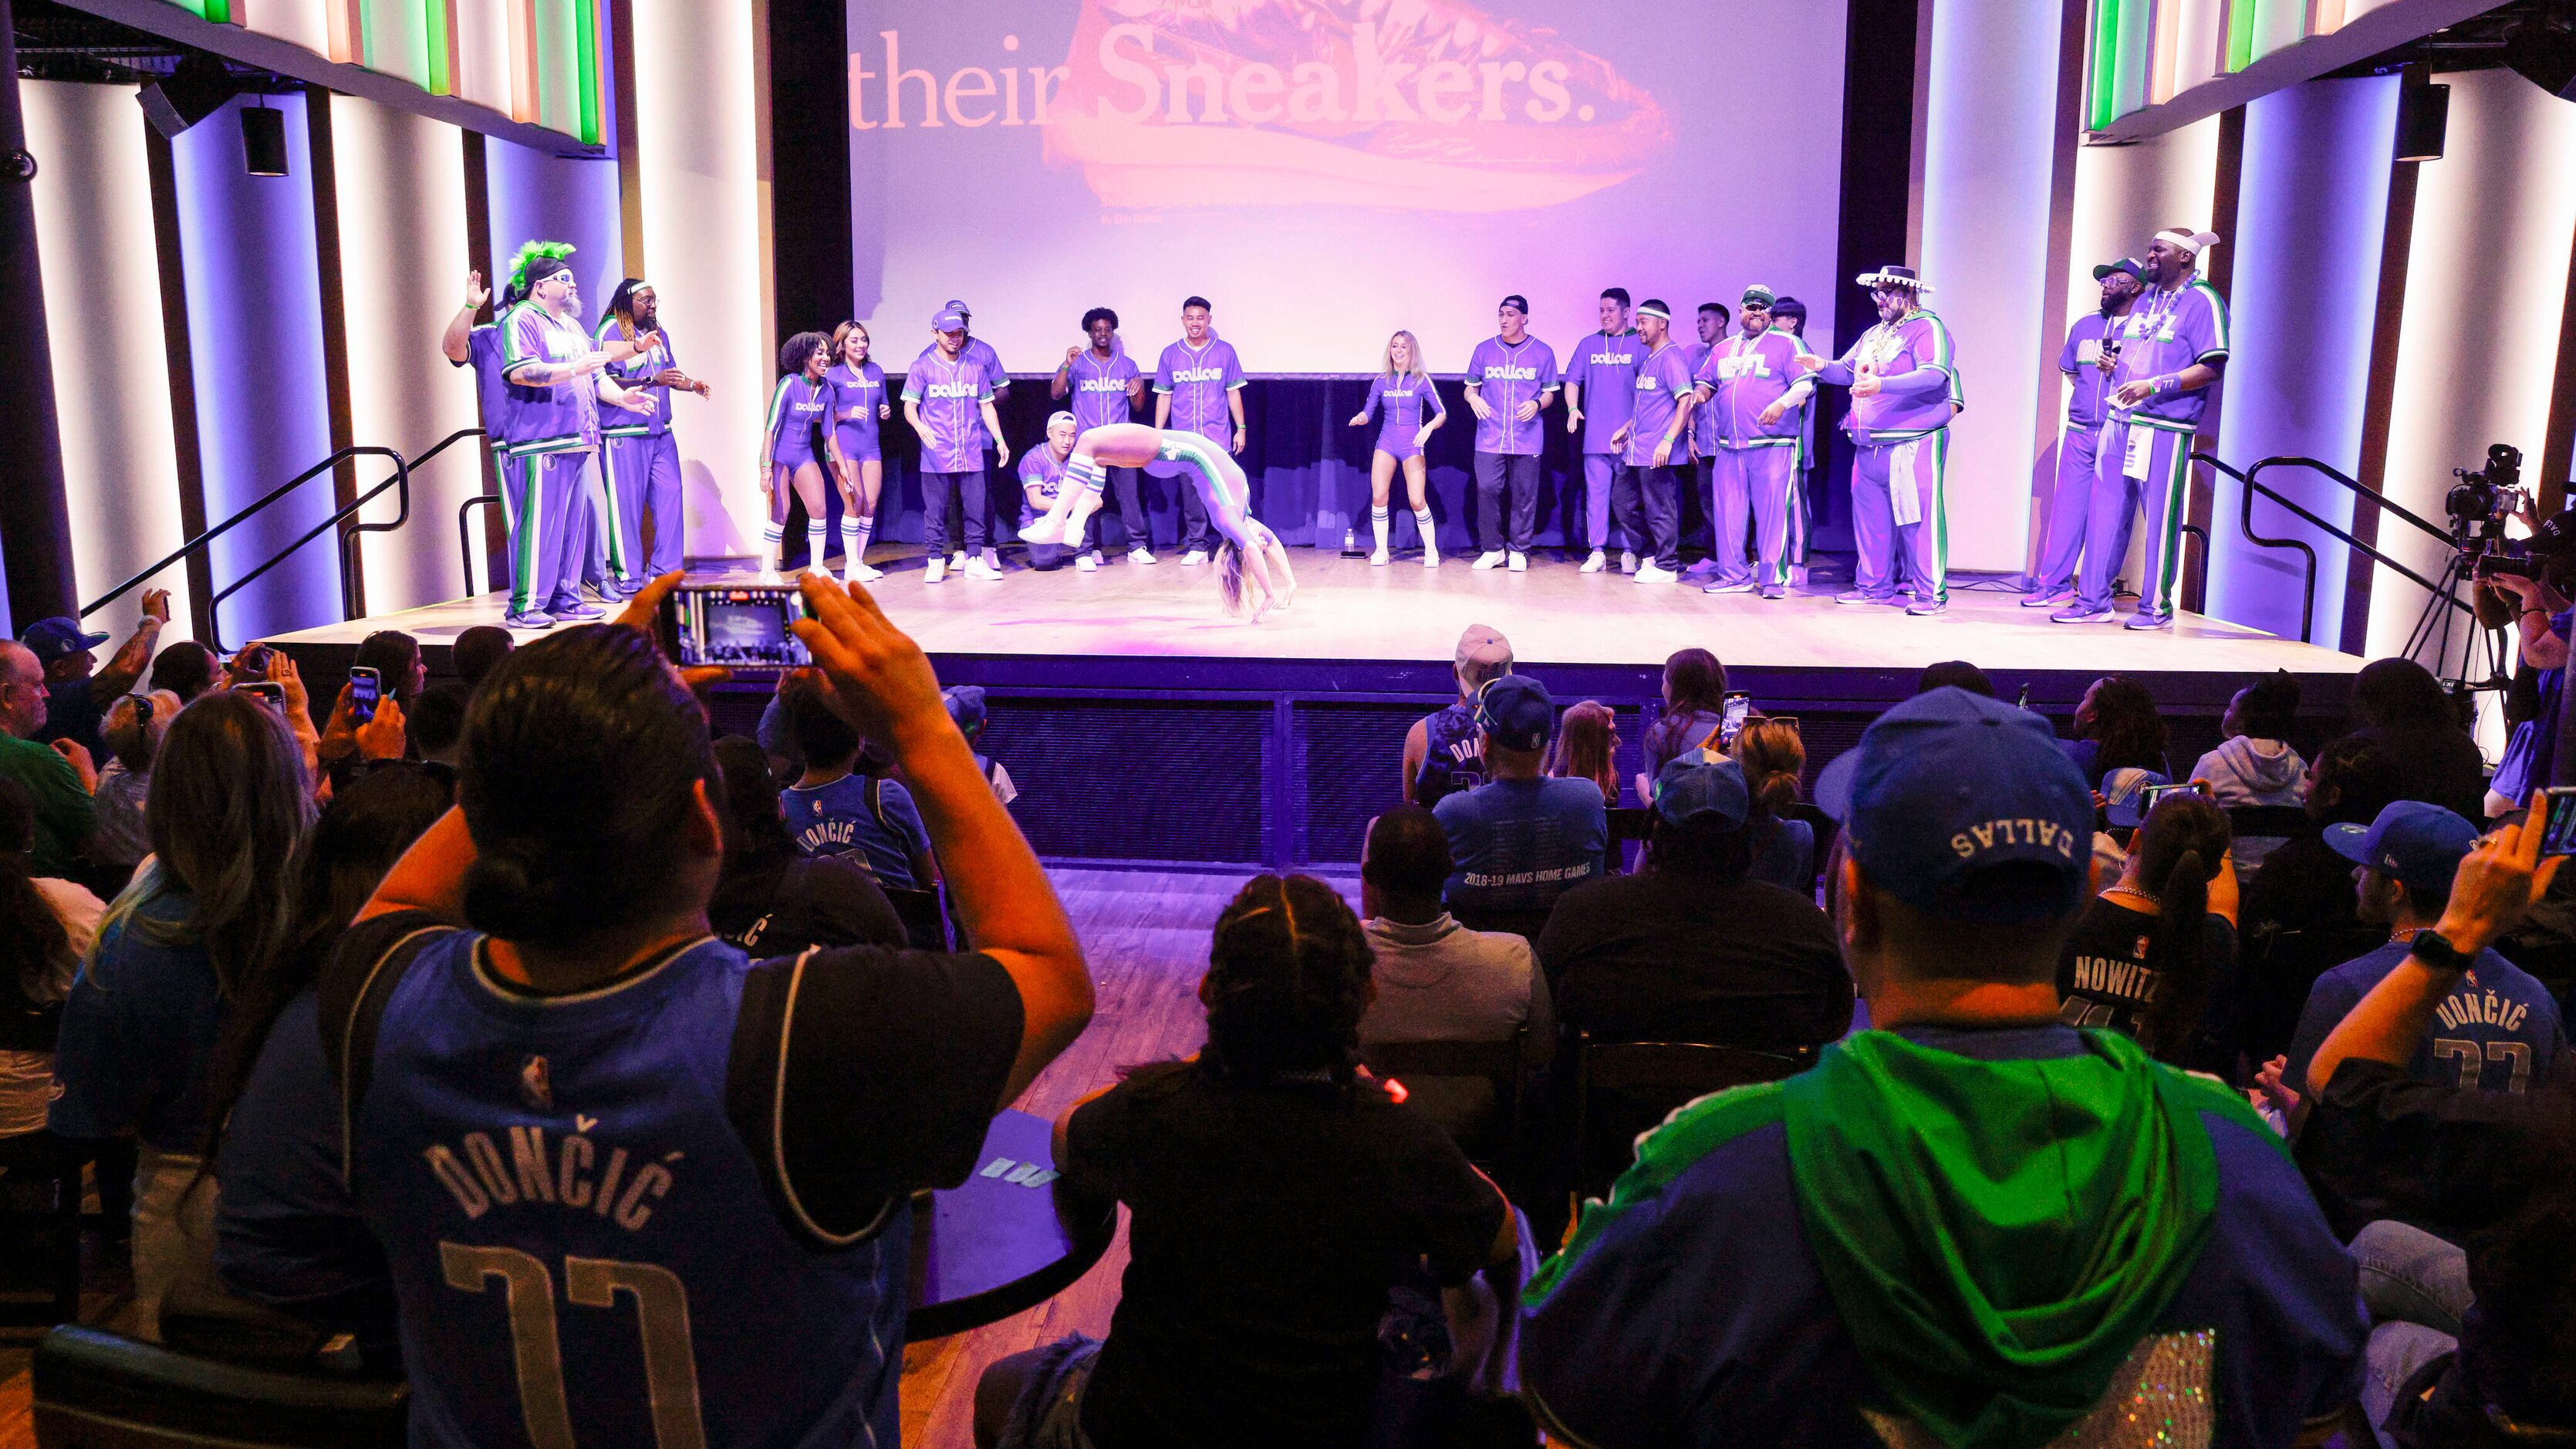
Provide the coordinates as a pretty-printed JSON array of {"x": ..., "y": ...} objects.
[
  {"x": 465, "y": 534},
  {"x": 349, "y": 601},
  {"x": 2308, "y": 583},
  {"x": 206, "y": 538},
  {"x": 400, "y": 478}
]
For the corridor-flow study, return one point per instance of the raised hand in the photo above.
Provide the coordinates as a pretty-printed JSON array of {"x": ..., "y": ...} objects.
[{"x": 881, "y": 681}]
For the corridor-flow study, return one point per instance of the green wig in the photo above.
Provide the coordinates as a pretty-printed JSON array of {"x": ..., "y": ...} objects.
[{"x": 537, "y": 259}]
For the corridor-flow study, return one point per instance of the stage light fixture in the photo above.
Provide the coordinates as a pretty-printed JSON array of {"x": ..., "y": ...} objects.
[
  {"x": 2423, "y": 121},
  {"x": 2543, "y": 49},
  {"x": 263, "y": 140},
  {"x": 194, "y": 91}
]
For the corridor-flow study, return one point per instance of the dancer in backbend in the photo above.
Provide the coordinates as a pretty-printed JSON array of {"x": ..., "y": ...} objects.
[
  {"x": 858, "y": 405},
  {"x": 800, "y": 409},
  {"x": 1412, "y": 414},
  {"x": 1252, "y": 567}
]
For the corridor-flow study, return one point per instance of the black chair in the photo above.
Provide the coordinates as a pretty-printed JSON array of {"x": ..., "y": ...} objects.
[
  {"x": 100, "y": 1390},
  {"x": 1624, "y": 1089},
  {"x": 924, "y": 921},
  {"x": 1628, "y": 823},
  {"x": 40, "y": 1222},
  {"x": 1492, "y": 1143},
  {"x": 2278, "y": 821}
]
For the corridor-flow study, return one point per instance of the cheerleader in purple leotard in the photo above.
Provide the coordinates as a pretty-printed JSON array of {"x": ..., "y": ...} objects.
[
  {"x": 859, "y": 404},
  {"x": 797, "y": 447},
  {"x": 1411, "y": 414}
]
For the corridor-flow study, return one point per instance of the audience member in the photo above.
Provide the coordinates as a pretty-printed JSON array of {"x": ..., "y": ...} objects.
[
  {"x": 1587, "y": 748},
  {"x": 2255, "y": 765},
  {"x": 1973, "y": 1225},
  {"x": 834, "y": 809},
  {"x": 282, "y": 1189},
  {"x": 772, "y": 900},
  {"x": 187, "y": 669},
  {"x": 2154, "y": 955},
  {"x": 230, "y": 804},
  {"x": 478, "y": 651},
  {"x": 436, "y": 724},
  {"x": 1774, "y": 759},
  {"x": 1694, "y": 711},
  {"x": 966, "y": 707},
  {"x": 2384, "y": 1148},
  {"x": 78, "y": 690},
  {"x": 2539, "y": 615},
  {"x": 401, "y": 671},
  {"x": 2117, "y": 727},
  {"x": 1437, "y": 980},
  {"x": 46, "y": 926},
  {"x": 133, "y": 732},
  {"x": 1275, "y": 1193},
  {"x": 2499, "y": 1030},
  {"x": 1954, "y": 674},
  {"x": 1693, "y": 948},
  {"x": 2301, "y": 915},
  {"x": 763, "y": 1188},
  {"x": 57, "y": 779},
  {"x": 1519, "y": 840},
  {"x": 2398, "y": 705},
  {"x": 1440, "y": 751}
]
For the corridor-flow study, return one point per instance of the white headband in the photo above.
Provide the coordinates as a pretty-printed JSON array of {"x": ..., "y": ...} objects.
[{"x": 2190, "y": 241}]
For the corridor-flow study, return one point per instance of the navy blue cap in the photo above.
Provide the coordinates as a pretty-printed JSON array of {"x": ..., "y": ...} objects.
[
  {"x": 2124, "y": 795},
  {"x": 965, "y": 705},
  {"x": 1517, "y": 303},
  {"x": 1692, "y": 790},
  {"x": 1516, "y": 711},
  {"x": 58, "y": 638},
  {"x": 2137, "y": 273},
  {"x": 1950, "y": 785},
  {"x": 2417, "y": 844}
]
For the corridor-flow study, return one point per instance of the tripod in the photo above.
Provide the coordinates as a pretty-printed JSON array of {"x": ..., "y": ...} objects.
[{"x": 2434, "y": 628}]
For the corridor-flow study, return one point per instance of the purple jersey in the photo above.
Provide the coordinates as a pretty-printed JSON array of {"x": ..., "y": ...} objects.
[
  {"x": 1409, "y": 403},
  {"x": 1663, "y": 384},
  {"x": 637, "y": 371},
  {"x": 1703, "y": 423},
  {"x": 856, "y": 396},
  {"x": 1919, "y": 380},
  {"x": 558, "y": 416},
  {"x": 1605, "y": 367},
  {"x": 1041, "y": 469},
  {"x": 2078, "y": 359},
  {"x": 2164, "y": 333},
  {"x": 1096, "y": 389},
  {"x": 951, "y": 396},
  {"x": 1507, "y": 375},
  {"x": 1738, "y": 379},
  {"x": 799, "y": 409},
  {"x": 1198, "y": 380}
]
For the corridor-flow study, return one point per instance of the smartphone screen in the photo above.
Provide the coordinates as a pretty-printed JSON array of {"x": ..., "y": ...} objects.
[
  {"x": 743, "y": 628},
  {"x": 2154, "y": 795},
  {"x": 1731, "y": 722},
  {"x": 2558, "y": 832},
  {"x": 365, "y": 688},
  {"x": 274, "y": 695},
  {"x": 2022, "y": 701}
]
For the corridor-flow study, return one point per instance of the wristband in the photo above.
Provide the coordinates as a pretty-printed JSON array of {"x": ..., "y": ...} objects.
[
  {"x": 2430, "y": 948},
  {"x": 2168, "y": 382}
]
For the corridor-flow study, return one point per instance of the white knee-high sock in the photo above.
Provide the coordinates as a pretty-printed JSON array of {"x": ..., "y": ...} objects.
[
  {"x": 1379, "y": 520},
  {"x": 854, "y": 543},
  {"x": 1422, "y": 521},
  {"x": 773, "y": 543},
  {"x": 815, "y": 538}
]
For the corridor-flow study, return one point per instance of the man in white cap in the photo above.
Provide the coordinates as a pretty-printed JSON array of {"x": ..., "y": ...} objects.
[
  {"x": 2052, "y": 584},
  {"x": 2172, "y": 346},
  {"x": 1904, "y": 381}
]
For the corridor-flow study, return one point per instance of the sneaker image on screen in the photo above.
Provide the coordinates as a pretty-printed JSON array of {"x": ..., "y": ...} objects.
[{"x": 1341, "y": 102}]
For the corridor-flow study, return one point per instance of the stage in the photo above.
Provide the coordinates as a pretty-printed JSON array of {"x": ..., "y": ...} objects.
[{"x": 1143, "y": 724}]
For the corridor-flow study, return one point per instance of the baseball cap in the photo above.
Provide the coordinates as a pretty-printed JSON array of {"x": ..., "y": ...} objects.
[
  {"x": 2124, "y": 795},
  {"x": 1759, "y": 297},
  {"x": 58, "y": 638},
  {"x": 1694, "y": 791},
  {"x": 949, "y": 319},
  {"x": 1947, "y": 790},
  {"x": 958, "y": 306},
  {"x": 2129, "y": 265},
  {"x": 1483, "y": 644},
  {"x": 965, "y": 705},
  {"x": 2420, "y": 845},
  {"x": 1516, "y": 711},
  {"x": 1517, "y": 303}
]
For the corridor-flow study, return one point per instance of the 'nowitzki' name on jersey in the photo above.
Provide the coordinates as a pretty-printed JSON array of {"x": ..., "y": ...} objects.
[
  {"x": 566, "y": 1173},
  {"x": 2111, "y": 976}
]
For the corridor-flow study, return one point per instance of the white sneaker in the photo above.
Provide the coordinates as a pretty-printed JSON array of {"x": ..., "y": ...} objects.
[
  {"x": 1380, "y": 559},
  {"x": 1195, "y": 558},
  {"x": 1595, "y": 564},
  {"x": 993, "y": 559},
  {"x": 862, "y": 574},
  {"x": 934, "y": 571},
  {"x": 1142, "y": 557},
  {"x": 1652, "y": 573},
  {"x": 771, "y": 576},
  {"x": 1087, "y": 564},
  {"x": 957, "y": 560},
  {"x": 1519, "y": 563},
  {"x": 1627, "y": 562},
  {"x": 981, "y": 569},
  {"x": 1431, "y": 558},
  {"x": 1490, "y": 559}
]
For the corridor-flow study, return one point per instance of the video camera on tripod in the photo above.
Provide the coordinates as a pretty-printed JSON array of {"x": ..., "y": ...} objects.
[{"x": 2478, "y": 505}]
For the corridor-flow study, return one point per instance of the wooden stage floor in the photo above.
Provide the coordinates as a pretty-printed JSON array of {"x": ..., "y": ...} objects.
[{"x": 1347, "y": 610}]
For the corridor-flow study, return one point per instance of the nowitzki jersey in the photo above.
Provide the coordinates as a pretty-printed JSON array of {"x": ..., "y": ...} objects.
[{"x": 617, "y": 1216}]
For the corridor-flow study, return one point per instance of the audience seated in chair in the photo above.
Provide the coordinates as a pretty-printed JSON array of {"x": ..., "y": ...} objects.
[
  {"x": 2254, "y": 764},
  {"x": 773, "y": 900},
  {"x": 2399, "y": 706},
  {"x": 2154, "y": 955},
  {"x": 1443, "y": 751},
  {"x": 46, "y": 926},
  {"x": 966, "y": 706},
  {"x": 1694, "y": 707},
  {"x": 1587, "y": 748},
  {"x": 59, "y": 782},
  {"x": 2300, "y": 914},
  {"x": 2117, "y": 727},
  {"x": 1437, "y": 980},
  {"x": 1972, "y": 1225},
  {"x": 844, "y": 804},
  {"x": 1774, "y": 759},
  {"x": 1274, "y": 1193},
  {"x": 1520, "y": 840}
]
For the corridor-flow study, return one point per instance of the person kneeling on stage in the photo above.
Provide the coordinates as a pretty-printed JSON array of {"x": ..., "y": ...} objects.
[
  {"x": 1252, "y": 567},
  {"x": 1042, "y": 480}
]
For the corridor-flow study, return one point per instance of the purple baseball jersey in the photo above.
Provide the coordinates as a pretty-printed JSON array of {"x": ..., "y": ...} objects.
[
  {"x": 856, "y": 396},
  {"x": 1703, "y": 423},
  {"x": 1605, "y": 367},
  {"x": 2078, "y": 359},
  {"x": 637, "y": 371},
  {"x": 2164, "y": 333},
  {"x": 1097, "y": 389},
  {"x": 1198, "y": 380},
  {"x": 1738, "y": 379},
  {"x": 1663, "y": 382},
  {"x": 1918, "y": 374},
  {"x": 1042, "y": 469},
  {"x": 1507, "y": 376},
  {"x": 951, "y": 395},
  {"x": 1409, "y": 402},
  {"x": 799, "y": 409}
]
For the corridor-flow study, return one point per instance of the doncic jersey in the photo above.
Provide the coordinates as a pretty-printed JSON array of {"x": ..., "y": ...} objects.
[{"x": 1453, "y": 757}]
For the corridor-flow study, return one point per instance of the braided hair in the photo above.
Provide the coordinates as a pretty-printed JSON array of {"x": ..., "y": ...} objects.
[{"x": 1288, "y": 977}]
